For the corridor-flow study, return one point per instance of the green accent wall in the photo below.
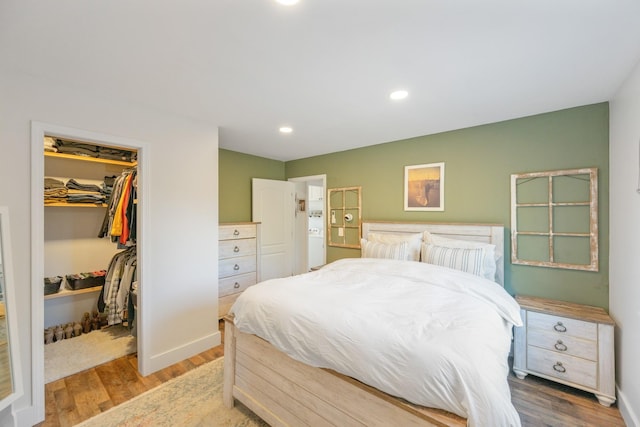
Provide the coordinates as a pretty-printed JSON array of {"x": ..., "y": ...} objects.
[
  {"x": 235, "y": 171},
  {"x": 478, "y": 164}
]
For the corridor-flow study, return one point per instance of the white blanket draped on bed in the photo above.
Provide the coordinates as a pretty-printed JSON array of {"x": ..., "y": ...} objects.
[{"x": 434, "y": 336}]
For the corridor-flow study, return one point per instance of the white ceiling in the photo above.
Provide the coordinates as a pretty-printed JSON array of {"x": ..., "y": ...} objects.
[{"x": 326, "y": 67}]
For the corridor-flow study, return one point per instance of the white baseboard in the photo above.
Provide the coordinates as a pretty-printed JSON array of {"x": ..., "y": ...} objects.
[
  {"x": 627, "y": 411},
  {"x": 25, "y": 417},
  {"x": 178, "y": 354}
]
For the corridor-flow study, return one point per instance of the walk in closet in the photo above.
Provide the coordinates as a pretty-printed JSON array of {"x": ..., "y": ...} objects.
[{"x": 90, "y": 198}]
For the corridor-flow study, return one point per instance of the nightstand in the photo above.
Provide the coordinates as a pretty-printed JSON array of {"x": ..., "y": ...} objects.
[{"x": 568, "y": 343}]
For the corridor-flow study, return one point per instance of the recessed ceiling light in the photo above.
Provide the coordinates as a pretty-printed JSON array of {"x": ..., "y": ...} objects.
[
  {"x": 287, "y": 2},
  {"x": 399, "y": 94},
  {"x": 286, "y": 129}
]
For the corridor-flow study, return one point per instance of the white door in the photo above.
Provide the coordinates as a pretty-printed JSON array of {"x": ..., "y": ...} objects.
[{"x": 273, "y": 205}]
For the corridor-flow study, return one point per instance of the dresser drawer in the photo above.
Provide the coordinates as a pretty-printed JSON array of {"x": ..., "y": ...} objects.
[
  {"x": 564, "y": 344},
  {"x": 240, "y": 231},
  {"x": 235, "y": 248},
  {"x": 562, "y": 325},
  {"x": 234, "y": 266},
  {"x": 562, "y": 366},
  {"x": 235, "y": 284}
]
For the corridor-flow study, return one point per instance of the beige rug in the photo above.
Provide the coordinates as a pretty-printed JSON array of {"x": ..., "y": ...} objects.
[
  {"x": 193, "y": 399},
  {"x": 73, "y": 355}
]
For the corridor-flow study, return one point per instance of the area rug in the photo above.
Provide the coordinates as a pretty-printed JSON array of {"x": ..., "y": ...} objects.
[
  {"x": 193, "y": 399},
  {"x": 73, "y": 355}
]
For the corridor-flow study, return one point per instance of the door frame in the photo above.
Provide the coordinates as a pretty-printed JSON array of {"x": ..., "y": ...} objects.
[
  {"x": 307, "y": 179},
  {"x": 38, "y": 131}
]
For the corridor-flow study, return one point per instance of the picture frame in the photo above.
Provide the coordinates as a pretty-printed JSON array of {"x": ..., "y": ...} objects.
[{"x": 424, "y": 187}]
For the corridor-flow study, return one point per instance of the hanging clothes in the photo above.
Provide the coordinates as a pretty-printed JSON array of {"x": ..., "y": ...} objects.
[
  {"x": 120, "y": 218},
  {"x": 121, "y": 274}
]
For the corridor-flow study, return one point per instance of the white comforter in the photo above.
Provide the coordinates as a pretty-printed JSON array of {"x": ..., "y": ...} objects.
[{"x": 434, "y": 336}]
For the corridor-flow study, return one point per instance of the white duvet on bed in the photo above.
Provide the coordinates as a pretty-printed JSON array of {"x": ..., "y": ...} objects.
[{"x": 434, "y": 336}]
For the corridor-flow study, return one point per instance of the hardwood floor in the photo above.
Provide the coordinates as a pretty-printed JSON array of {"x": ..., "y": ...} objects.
[{"x": 70, "y": 400}]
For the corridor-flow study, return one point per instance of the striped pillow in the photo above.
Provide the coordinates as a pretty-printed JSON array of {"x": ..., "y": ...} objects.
[
  {"x": 398, "y": 251},
  {"x": 414, "y": 241},
  {"x": 463, "y": 259}
]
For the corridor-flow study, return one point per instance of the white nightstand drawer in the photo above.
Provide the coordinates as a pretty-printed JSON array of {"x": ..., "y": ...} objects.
[
  {"x": 564, "y": 344},
  {"x": 562, "y": 366},
  {"x": 563, "y": 325},
  {"x": 235, "y": 248},
  {"x": 235, "y": 266},
  {"x": 235, "y": 284},
  {"x": 240, "y": 231}
]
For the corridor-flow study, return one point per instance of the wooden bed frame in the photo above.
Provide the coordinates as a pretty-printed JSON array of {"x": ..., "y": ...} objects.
[{"x": 285, "y": 392}]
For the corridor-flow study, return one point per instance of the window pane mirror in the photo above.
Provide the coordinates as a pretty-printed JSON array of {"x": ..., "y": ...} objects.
[
  {"x": 10, "y": 383},
  {"x": 345, "y": 219}
]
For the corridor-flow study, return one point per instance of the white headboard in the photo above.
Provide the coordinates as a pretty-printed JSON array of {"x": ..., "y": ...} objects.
[{"x": 486, "y": 233}]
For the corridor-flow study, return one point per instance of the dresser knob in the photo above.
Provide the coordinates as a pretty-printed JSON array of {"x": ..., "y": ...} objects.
[
  {"x": 236, "y": 285},
  {"x": 236, "y": 233},
  {"x": 236, "y": 267},
  {"x": 560, "y": 327},
  {"x": 559, "y": 368},
  {"x": 236, "y": 249},
  {"x": 560, "y": 346}
]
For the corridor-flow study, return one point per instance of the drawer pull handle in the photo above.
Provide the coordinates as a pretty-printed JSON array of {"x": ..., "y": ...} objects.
[
  {"x": 236, "y": 249},
  {"x": 236, "y": 285},
  {"x": 236, "y": 233},
  {"x": 236, "y": 267},
  {"x": 560, "y": 346},
  {"x": 559, "y": 368},
  {"x": 560, "y": 327}
]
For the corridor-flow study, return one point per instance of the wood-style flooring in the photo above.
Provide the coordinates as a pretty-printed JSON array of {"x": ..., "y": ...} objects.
[{"x": 70, "y": 400}]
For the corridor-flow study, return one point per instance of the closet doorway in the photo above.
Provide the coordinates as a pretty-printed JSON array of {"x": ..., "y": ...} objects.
[
  {"x": 310, "y": 222},
  {"x": 66, "y": 246}
]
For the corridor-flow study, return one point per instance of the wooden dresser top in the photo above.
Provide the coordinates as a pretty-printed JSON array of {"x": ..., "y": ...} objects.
[{"x": 565, "y": 309}]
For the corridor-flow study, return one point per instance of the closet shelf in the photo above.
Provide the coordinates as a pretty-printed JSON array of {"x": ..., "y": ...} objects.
[
  {"x": 67, "y": 293},
  {"x": 90, "y": 159},
  {"x": 75, "y": 205}
]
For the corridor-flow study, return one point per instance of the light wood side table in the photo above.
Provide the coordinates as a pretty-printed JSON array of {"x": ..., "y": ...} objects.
[{"x": 568, "y": 343}]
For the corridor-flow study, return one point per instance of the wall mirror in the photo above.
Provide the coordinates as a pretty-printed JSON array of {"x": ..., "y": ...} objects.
[
  {"x": 10, "y": 377},
  {"x": 554, "y": 219},
  {"x": 345, "y": 217}
]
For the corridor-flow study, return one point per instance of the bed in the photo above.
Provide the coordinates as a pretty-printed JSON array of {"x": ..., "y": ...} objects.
[{"x": 381, "y": 340}]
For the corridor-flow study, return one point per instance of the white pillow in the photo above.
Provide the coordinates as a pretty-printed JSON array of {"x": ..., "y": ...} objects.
[
  {"x": 463, "y": 259},
  {"x": 489, "y": 261},
  {"x": 413, "y": 240},
  {"x": 397, "y": 251}
]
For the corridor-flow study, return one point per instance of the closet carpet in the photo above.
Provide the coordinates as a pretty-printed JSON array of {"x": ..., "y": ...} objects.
[{"x": 73, "y": 355}]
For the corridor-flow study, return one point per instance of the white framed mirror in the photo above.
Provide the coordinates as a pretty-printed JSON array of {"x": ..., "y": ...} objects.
[{"x": 10, "y": 373}]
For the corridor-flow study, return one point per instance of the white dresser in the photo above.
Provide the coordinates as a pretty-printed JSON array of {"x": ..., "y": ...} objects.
[
  {"x": 237, "y": 261},
  {"x": 568, "y": 343}
]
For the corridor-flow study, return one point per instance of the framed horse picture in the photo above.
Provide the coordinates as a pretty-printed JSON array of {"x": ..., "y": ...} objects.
[{"x": 424, "y": 187}]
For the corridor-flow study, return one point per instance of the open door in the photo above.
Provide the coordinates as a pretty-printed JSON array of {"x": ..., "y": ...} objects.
[{"x": 273, "y": 205}]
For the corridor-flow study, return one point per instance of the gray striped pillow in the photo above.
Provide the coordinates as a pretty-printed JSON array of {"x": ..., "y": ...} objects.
[
  {"x": 463, "y": 259},
  {"x": 398, "y": 251}
]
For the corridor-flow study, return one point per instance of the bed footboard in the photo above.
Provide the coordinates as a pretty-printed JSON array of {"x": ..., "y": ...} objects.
[{"x": 285, "y": 392}]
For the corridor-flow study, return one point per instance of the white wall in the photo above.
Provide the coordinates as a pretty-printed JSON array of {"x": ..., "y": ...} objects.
[
  {"x": 624, "y": 252},
  {"x": 180, "y": 307}
]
